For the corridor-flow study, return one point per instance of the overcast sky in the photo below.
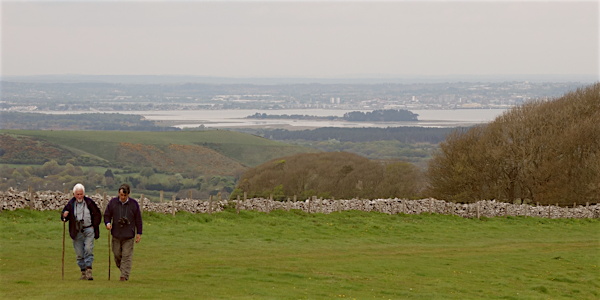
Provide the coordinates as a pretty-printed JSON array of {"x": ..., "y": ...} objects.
[{"x": 300, "y": 39}]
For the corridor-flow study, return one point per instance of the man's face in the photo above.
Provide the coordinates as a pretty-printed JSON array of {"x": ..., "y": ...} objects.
[
  {"x": 78, "y": 195},
  {"x": 122, "y": 196}
]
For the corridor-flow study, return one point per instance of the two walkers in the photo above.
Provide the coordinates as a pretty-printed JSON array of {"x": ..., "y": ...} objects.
[{"x": 122, "y": 217}]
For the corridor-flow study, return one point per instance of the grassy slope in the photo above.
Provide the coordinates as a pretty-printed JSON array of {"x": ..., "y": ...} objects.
[
  {"x": 293, "y": 255},
  {"x": 245, "y": 148}
]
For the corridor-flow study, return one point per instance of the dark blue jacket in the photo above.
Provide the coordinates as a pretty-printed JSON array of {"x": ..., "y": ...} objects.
[
  {"x": 94, "y": 212},
  {"x": 115, "y": 210}
]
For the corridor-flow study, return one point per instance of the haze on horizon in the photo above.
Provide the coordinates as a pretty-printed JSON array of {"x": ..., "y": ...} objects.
[{"x": 323, "y": 39}]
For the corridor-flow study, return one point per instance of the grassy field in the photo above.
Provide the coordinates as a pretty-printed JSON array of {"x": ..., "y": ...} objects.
[
  {"x": 294, "y": 255},
  {"x": 248, "y": 149}
]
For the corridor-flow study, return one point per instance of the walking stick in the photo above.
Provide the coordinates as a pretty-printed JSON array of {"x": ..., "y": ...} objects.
[
  {"x": 63, "y": 253},
  {"x": 109, "y": 255}
]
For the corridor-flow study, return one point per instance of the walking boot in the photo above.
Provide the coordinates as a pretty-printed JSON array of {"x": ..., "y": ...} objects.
[
  {"x": 88, "y": 274},
  {"x": 83, "y": 275}
]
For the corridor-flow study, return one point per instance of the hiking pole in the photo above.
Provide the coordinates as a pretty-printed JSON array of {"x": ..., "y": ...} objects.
[
  {"x": 108, "y": 255},
  {"x": 63, "y": 253}
]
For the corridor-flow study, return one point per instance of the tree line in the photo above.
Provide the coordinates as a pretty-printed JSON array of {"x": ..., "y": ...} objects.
[
  {"x": 53, "y": 176},
  {"x": 339, "y": 175},
  {"x": 382, "y": 115},
  {"x": 409, "y": 134},
  {"x": 88, "y": 121},
  {"x": 544, "y": 151}
]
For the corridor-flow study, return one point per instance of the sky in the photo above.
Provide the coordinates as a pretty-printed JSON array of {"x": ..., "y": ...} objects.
[{"x": 320, "y": 39}]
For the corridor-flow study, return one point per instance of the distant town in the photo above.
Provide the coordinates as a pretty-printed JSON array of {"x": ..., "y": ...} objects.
[{"x": 123, "y": 97}]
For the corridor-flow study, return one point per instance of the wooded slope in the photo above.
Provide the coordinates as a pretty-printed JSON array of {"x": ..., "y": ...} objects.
[{"x": 544, "y": 152}]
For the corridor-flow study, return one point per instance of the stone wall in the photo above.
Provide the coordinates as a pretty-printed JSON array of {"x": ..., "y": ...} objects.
[{"x": 50, "y": 200}]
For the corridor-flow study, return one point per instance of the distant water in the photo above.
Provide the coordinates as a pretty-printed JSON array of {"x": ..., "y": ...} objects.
[{"x": 237, "y": 118}]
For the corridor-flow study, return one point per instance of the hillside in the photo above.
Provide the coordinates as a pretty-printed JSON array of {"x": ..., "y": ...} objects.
[
  {"x": 246, "y": 149},
  {"x": 182, "y": 164}
]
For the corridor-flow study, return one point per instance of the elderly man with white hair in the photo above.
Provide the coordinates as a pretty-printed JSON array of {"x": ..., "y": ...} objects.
[{"x": 84, "y": 219}]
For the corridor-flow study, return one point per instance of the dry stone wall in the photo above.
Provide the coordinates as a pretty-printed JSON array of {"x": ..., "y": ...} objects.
[{"x": 51, "y": 200}]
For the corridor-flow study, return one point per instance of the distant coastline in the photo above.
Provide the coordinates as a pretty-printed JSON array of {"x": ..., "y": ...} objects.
[{"x": 237, "y": 118}]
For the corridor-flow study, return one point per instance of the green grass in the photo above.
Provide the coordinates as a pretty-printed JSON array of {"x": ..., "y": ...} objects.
[
  {"x": 294, "y": 255},
  {"x": 245, "y": 148}
]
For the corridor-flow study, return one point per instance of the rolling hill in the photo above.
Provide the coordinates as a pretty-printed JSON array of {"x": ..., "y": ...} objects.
[{"x": 185, "y": 150}]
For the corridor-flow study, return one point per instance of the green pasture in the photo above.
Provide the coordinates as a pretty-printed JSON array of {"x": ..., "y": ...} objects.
[
  {"x": 295, "y": 255},
  {"x": 245, "y": 148}
]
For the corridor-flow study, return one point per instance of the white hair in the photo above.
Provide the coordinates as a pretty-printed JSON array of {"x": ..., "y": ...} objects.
[{"x": 77, "y": 187}]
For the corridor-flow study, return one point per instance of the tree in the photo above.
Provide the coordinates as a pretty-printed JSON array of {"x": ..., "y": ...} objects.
[
  {"x": 49, "y": 168},
  {"x": 147, "y": 172},
  {"x": 543, "y": 151},
  {"x": 109, "y": 173},
  {"x": 454, "y": 172},
  {"x": 400, "y": 179},
  {"x": 331, "y": 174}
]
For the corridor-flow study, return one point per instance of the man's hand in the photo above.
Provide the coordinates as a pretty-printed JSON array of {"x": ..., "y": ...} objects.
[
  {"x": 138, "y": 238},
  {"x": 108, "y": 226}
]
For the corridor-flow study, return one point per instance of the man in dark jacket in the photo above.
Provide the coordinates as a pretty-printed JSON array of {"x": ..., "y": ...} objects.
[
  {"x": 124, "y": 219},
  {"x": 84, "y": 219}
]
